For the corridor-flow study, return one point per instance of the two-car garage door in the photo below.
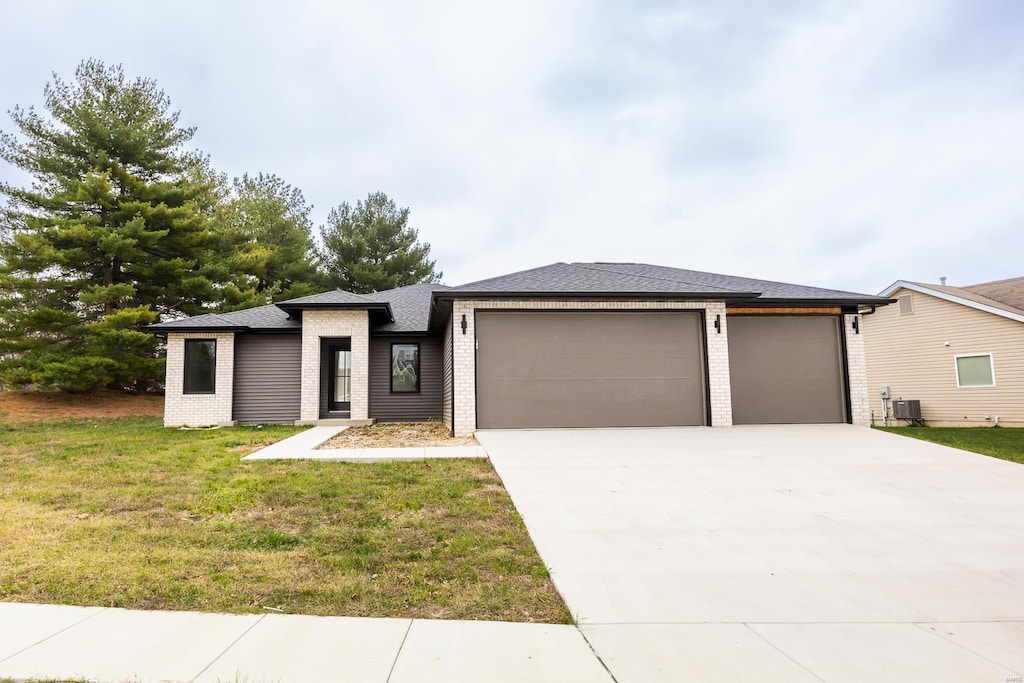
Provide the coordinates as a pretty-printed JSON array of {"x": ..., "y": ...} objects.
[
  {"x": 589, "y": 369},
  {"x": 648, "y": 368}
]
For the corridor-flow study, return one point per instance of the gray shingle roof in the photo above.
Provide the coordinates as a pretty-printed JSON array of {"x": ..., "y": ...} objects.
[
  {"x": 410, "y": 306},
  {"x": 260, "y": 318},
  {"x": 638, "y": 278},
  {"x": 337, "y": 296}
]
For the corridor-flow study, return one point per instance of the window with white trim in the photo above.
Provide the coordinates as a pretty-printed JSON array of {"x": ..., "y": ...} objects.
[{"x": 975, "y": 370}]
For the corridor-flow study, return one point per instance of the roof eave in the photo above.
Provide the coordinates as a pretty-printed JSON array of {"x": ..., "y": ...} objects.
[
  {"x": 703, "y": 296},
  {"x": 398, "y": 333},
  {"x": 826, "y": 301},
  {"x": 381, "y": 306},
  {"x": 164, "y": 329}
]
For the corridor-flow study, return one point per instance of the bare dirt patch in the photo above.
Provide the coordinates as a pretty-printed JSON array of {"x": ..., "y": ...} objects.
[
  {"x": 398, "y": 435},
  {"x": 29, "y": 406}
]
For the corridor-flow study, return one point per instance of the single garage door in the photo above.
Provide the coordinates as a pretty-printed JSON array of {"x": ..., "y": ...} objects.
[
  {"x": 786, "y": 369},
  {"x": 268, "y": 378},
  {"x": 589, "y": 369}
]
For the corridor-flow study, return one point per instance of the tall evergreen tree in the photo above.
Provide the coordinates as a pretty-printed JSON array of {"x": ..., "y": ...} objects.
[
  {"x": 273, "y": 255},
  {"x": 114, "y": 230},
  {"x": 371, "y": 247}
]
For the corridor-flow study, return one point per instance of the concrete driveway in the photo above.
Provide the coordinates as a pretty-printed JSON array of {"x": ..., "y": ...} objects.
[{"x": 789, "y": 553}]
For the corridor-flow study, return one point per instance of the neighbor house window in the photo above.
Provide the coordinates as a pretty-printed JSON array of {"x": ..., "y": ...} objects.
[
  {"x": 906, "y": 304},
  {"x": 405, "y": 368},
  {"x": 200, "y": 366},
  {"x": 975, "y": 371}
]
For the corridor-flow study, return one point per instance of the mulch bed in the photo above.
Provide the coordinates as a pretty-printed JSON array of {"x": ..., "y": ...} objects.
[{"x": 398, "y": 435}]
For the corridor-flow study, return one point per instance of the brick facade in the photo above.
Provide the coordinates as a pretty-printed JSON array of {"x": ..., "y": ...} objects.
[
  {"x": 199, "y": 410},
  {"x": 860, "y": 405},
  {"x": 353, "y": 324},
  {"x": 464, "y": 367}
]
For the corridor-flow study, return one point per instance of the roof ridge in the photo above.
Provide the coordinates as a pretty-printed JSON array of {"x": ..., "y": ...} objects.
[
  {"x": 518, "y": 272},
  {"x": 649, "y": 277},
  {"x": 993, "y": 282},
  {"x": 329, "y": 291}
]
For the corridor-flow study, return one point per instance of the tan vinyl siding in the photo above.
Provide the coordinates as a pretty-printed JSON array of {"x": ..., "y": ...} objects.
[{"x": 908, "y": 353}]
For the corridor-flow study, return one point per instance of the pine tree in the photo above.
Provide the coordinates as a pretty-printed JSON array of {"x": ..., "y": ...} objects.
[
  {"x": 371, "y": 247},
  {"x": 114, "y": 231},
  {"x": 267, "y": 221}
]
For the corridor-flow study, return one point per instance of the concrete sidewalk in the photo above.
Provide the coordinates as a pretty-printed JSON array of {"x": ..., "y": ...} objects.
[
  {"x": 118, "y": 645},
  {"x": 306, "y": 446}
]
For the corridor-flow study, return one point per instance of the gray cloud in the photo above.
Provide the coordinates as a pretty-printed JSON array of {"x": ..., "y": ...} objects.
[{"x": 841, "y": 144}]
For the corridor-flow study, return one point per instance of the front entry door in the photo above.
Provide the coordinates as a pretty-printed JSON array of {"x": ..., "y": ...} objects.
[{"x": 339, "y": 375}]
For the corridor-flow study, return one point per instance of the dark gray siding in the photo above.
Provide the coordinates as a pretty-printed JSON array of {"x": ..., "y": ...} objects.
[
  {"x": 268, "y": 377},
  {"x": 449, "y": 378},
  {"x": 388, "y": 407}
]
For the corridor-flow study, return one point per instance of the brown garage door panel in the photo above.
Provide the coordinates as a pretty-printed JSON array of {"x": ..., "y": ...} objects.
[
  {"x": 581, "y": 369},
  {"x": 786, "y": 370}
]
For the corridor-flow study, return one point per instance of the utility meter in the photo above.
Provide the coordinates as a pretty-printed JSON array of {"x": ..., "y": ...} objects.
[{"x": 884, "y": 391}]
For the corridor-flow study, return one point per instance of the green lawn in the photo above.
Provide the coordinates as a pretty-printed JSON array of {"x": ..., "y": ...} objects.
[
  {"x": 125, "y": 513},
  {"x": 1002, "y": 442}
]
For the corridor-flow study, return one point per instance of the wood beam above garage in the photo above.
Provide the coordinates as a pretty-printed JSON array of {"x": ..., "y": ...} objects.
[{"x": 782, "y": 310}]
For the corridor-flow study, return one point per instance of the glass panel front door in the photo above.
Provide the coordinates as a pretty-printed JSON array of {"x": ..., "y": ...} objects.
[
  {"x": 339, "y": 377},
  {"x": 342, "y": 376}
]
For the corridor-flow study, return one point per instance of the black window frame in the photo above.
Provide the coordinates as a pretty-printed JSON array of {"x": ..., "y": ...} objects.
[
  {"x": 391, "y": 368},
  {"x": 213, "y": 369}
]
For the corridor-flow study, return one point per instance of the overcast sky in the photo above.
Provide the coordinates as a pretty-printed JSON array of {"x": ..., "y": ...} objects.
[{"x": 839, "y": 144}]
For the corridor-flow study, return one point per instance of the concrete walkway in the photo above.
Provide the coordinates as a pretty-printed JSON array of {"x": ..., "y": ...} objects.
[
  {"x": 777, "y": 553},
  {"x": 306, "y": 446},
  {"x": 117, "y": 645}
]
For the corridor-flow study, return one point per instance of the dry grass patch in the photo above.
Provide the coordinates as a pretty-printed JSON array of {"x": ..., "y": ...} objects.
[
  {"x": 19, "y": 406},
  {"x": 125, "y": 513},
  {"x": 398, "y": 435}
]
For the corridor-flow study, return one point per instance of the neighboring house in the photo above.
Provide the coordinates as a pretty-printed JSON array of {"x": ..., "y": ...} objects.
[
  {"x": 957, "y": 350},
  {"x": 564, "y": 345}
]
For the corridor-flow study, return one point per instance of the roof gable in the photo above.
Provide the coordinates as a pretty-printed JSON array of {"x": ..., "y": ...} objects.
[
  {"x": 959, "y": 295},
  {"x": 411, "y": 306}
]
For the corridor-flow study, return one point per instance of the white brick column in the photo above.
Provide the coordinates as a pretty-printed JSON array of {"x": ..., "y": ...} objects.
[
  {"x": 464, "y": 345},
  {"x": 199, "y": 410},
  {"x": 860, "y": 405},
  {"x": 464, "y": 367},
  {"x": 719, "y": 382},
  {"x": 317, "y": 324}
]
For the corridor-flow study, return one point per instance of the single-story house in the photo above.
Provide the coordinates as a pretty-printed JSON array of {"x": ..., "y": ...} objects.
[
  {"x": 563, "y": 345},
  {"x": 957, "y": 350}
]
